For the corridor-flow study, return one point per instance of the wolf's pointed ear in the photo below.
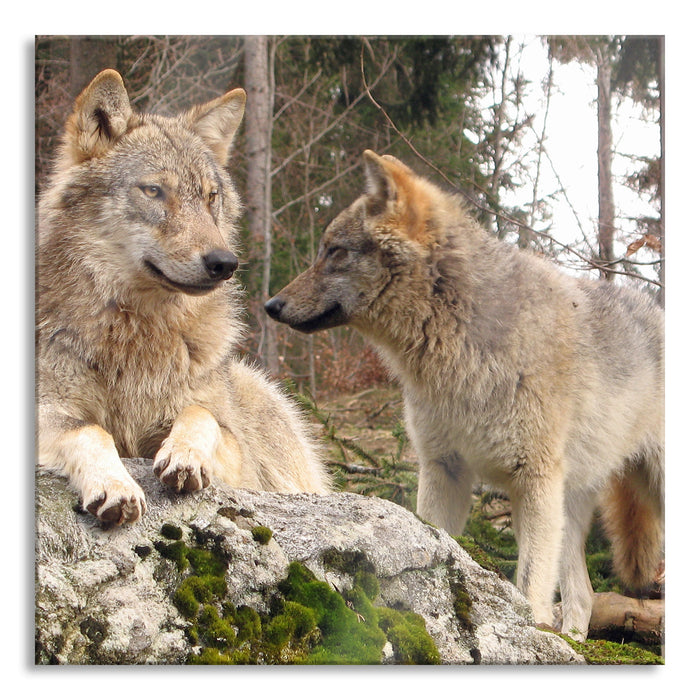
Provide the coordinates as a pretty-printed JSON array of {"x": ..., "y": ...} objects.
[
  {"x": 393, "y": 188},
  {"x": 379, "y": 181},
  {"x": 100, "y": 117},
  {"x": 216, "y": 122}
]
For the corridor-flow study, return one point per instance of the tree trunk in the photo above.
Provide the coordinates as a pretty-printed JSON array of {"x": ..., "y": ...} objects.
[
  {"x": 88, "y": 56},
  {"x": 258, "y": 85},
  {"x": 498, "y": 143},
  {"x": 606, "y": 205}
]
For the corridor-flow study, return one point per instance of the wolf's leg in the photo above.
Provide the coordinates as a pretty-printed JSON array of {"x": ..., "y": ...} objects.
[
  {"x": 445, "y": 492},
  {"x": 574, "y": 583},
  {"x": 194, "y": 451},
  {"x": 85, "y": 453},
  {"x": 537, "y": 500}
]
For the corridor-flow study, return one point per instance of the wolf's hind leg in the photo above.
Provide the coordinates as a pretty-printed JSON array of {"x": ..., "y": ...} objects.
[
  {"x": 445, "y": 492},
  {"x": 86, "y": 454},
  {"x": 191, "y": 454}
]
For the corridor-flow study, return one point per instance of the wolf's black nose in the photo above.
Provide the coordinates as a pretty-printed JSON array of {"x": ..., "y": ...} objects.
[
  {"x": 274, "y": 307},
  {"x": 220, "y": 263}
]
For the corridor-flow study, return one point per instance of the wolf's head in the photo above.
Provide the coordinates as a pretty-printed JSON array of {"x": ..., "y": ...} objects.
[
  {"x": 368, "y": 254},
  {"x": 147, "y": 198}
]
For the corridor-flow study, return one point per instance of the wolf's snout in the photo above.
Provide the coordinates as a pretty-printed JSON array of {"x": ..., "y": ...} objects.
[
  {"x": 220, "y": 264},
  {"x": 274, "y": 307}
]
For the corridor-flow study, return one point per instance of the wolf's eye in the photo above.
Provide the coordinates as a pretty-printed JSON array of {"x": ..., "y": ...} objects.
[
  {"x": 152, "y": 191},
  {"x": 336, "y": 254},
  {"x": 212, "y": 197}
]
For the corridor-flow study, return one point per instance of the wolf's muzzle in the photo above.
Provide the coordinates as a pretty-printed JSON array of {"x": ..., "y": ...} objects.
[
  {"x": 274, "y": 307},
  {"x": 220, "y": 264},
  {"x": 327, "y": 318}
]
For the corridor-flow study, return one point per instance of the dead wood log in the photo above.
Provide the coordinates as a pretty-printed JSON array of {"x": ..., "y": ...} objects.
[{"x": 617, "y": 617}]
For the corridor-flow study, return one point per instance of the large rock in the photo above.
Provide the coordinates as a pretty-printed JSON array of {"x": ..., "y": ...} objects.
[{"x": 105, "y": 596}]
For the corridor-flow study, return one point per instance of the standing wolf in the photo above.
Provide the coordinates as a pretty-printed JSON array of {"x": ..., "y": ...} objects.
[
  {"x": 135, "y": 320},
  {"x": 547, "y": 386}
]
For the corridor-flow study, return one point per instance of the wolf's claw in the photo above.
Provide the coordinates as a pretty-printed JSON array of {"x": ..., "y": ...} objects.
[{"x": 184, "y": 472}]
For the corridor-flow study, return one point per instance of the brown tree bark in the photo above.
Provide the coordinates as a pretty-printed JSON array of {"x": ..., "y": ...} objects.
[
  {"x": 606, "y": 204},
  {"x": 258, "y": 121},
  {"x": 88, "y": 56}
]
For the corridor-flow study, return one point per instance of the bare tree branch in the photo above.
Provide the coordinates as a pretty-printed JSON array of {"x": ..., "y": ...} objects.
[
  {"x": 590, "y": 263},
  {"x": 318, "y": 136}
]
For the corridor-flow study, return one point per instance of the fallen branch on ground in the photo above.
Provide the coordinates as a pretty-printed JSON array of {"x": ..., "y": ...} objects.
[
  {"x": 616, "y": 617},
  {"x": 622, "y": 619}
]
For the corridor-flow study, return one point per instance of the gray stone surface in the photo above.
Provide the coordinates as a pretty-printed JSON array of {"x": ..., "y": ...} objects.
[{"x": 103, "y": 596}]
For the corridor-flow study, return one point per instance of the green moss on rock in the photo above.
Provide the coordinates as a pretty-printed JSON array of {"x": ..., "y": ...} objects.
[
  {"x": 189, "y": 595},
  {"x": 368, "y": 582},
  {"x": 261, "y": 534},
  {"x": 482, "y": 558},
  {"x": 245, "y": 619},
  {"x": 205, "y": 581},
  {"x": 175, "y": 551},
  {"x": 294, "y": 622},
  {"x": 346, "y": 562},
  {"x": 346, "y": 638},
  {"x": 215, "y": 631},
  {"x": 205, "y": 562},
  {"x": 308, "y": 621},
  {"x": 463, "y": 608},
  {"x": 171, "y": 532},
  {"x": 411, "y": 642}
]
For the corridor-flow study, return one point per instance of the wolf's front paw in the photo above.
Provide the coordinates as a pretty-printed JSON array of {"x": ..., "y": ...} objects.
[
  {"x": 181, "y": 468},
  {"x": 115, "y": 501}
]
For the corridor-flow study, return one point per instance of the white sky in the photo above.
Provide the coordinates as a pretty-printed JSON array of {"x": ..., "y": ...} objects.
[{"x": 571, "y": 143}]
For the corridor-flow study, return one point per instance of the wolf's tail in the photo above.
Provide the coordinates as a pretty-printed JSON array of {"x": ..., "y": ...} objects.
[{"x": 633, "y": 515}]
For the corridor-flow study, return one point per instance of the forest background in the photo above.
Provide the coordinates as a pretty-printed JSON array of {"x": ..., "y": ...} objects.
[
  {"x": 468, "y": 112},
  {"x": 461, "y": 110}
]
